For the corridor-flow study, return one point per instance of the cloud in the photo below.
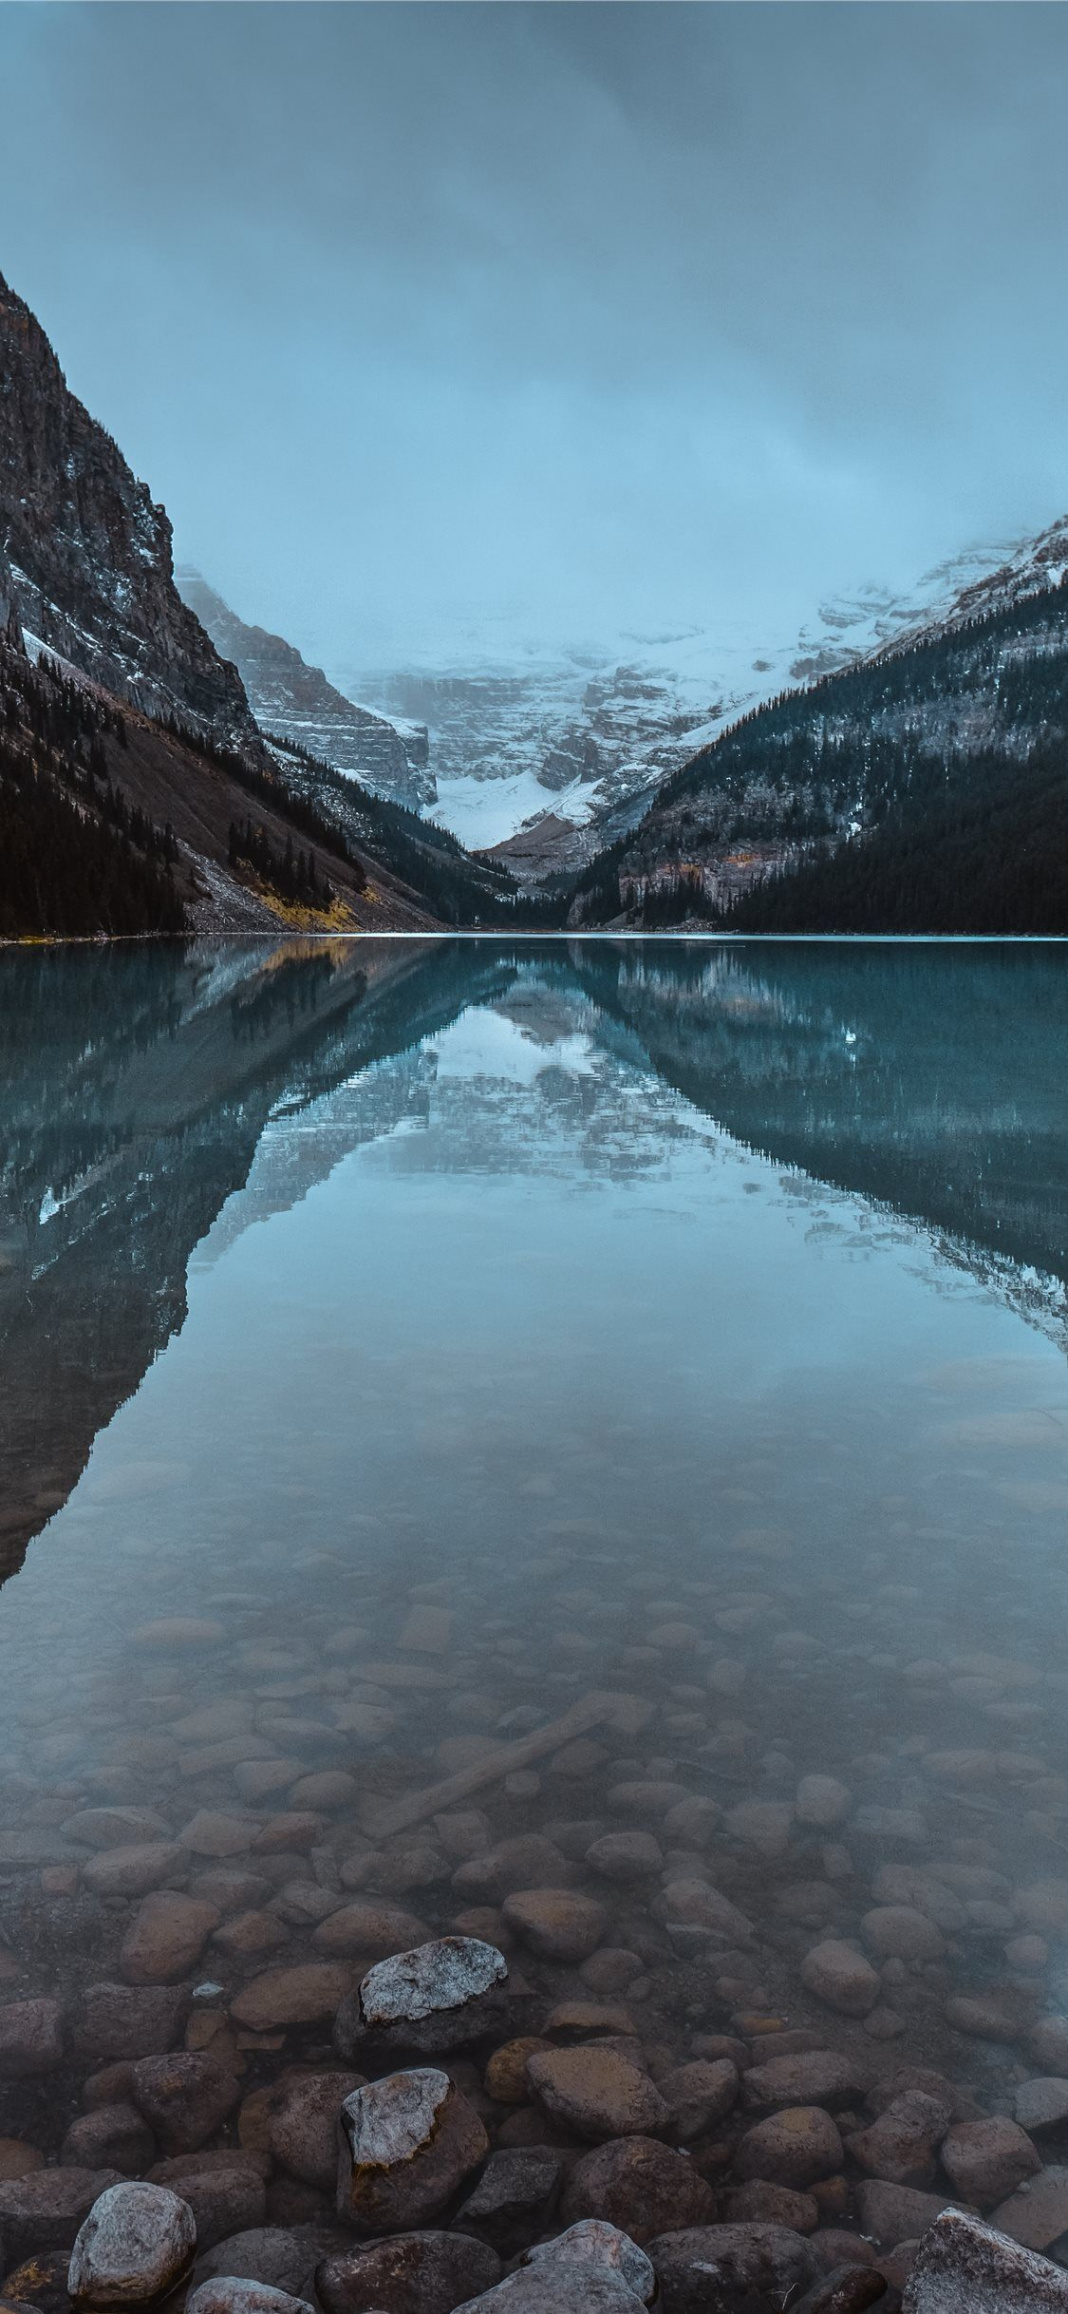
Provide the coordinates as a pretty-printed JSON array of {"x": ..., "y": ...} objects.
[{"x": 606, "y": 314}]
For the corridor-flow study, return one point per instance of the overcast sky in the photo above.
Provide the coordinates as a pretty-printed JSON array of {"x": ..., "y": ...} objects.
[{"x": 438, "y": 324}]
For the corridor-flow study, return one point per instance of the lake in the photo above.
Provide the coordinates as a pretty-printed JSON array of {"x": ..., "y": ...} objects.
[{"x": 406, "y": 1346}]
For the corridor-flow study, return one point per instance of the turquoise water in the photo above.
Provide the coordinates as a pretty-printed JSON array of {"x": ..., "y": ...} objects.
[{"x": 684, "y": 1321}]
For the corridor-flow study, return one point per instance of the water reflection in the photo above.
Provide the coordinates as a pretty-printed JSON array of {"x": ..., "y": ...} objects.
[{"x": 403, "y": 1341}]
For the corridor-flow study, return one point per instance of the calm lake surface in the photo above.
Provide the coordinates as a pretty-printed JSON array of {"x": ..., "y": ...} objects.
[{"x": 401, "y": 1342}]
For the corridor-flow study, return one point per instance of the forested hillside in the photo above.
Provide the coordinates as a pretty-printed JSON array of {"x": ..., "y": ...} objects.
[{"x": 927, "y": 789}]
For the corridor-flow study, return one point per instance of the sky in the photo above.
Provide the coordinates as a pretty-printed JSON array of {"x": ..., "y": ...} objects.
[{"x": 443, "y": 330}]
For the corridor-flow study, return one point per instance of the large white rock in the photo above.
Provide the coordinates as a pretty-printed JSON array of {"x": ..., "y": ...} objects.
[
  {"x": 965, "y": 2267},
  {"x": 136, "y": 2243},
  {"x": 407, "y": 2143},
  {"x": 433, "y": 1997}
]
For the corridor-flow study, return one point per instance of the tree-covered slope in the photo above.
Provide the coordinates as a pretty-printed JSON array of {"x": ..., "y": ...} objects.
[{"x": 922, "y": 790}]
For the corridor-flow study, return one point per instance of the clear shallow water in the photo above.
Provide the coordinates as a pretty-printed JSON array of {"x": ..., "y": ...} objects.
[{"x": 682, "y": 1321}]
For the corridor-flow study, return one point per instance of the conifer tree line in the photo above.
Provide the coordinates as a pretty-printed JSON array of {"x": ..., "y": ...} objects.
[
  {"x": 292, "y": 874},
  {"x": 923, "y": 791},
  {"x": 76, "y": 859}
]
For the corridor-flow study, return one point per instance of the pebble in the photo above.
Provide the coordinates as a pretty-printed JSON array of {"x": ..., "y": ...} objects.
[
  {"x": 408, "y": 2143},
  {"x": 898, "y": 1932},
  {"x": 31, "y": 2039},
  {"x": 640, "y": 2185},
  {"x": 759, "y": 2203},
  {"x": 303, "y": 2126},
  {"x": 1042, "y": 2103},
  {"x": 1036, "y": 2214},
  {"x": 408, "y": 2274},
  {"x": 513, "y": 2198},
  {"x": 165, "y": 1938},
  {"x": 987, "y": 2160},
  {"x": 714, "y": 2269},
  {"x": 593, "y": 2246},
  {"x": 699, "y": 2095},
  {"x": 814, "y": 2077},
  {"x": 595, "y": 2092},
  {"x": 230, "y": 2294},
  {"x": 554, "y": 1923},
  {"x": 110, "y": 2137},
  {"x": 793, "y": 2147},
  {"x": 269, "y": 2254},
  {"x": 304, "y": 1995},
  {"x": 44, "y": 2211},
  {"x": 136, "y": 2243},
  {"x": 225, "y": 2191},
  {"x": 183, "y": 2097},
  {"x": 133, "y": 1871},
  {"x": 625, "y": 1856},
  {"x": 822, "y": 1801},
  {"x": 841, "y": 1977},
  {"x": 902, "y": 2145}
]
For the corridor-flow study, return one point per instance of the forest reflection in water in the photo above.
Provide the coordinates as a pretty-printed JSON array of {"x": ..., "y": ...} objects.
[{"x": 679, "y": 1320}]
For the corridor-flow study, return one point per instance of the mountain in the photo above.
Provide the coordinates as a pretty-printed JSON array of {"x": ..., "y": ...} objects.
[
  {"x": 925, "y": 788},
  {"x": 85, "y": 554},
  {"x": 137, "y": 790},
  {"x": 294, "y": 702},
  {"x": 541, "y": 754}
]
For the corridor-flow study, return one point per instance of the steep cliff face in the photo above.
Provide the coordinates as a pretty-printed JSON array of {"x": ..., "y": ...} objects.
[
  {"x": 88, "y": 553},
  {"x": 297, "y": 704}
]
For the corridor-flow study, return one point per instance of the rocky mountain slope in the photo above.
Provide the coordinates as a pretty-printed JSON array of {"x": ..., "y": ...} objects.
[
  {"x": 543, "y": 754},
  {"x": 137, "y": 790},
  {"x": 295, "y": 703},
  {"x": 921, "y": 789},
  {"x": 85, "y": 553}
]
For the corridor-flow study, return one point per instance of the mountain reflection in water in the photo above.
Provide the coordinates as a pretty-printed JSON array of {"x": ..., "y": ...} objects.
[
  {"x": 403, "y": 1342},
  {"x": 136, "y": 1084}
]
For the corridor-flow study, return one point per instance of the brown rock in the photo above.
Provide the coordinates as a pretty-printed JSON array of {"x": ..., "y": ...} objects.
[
  {"x": 17, "y": 2159},
  {"x": 372, "y": 1931},
  {"x": 792, "y": 2147},
  {"x": 117, "y": 2022},
  {"x": 699, "y": 2095},
  {"x": 639, "y": 2185},
  {"x": 30, "y": 2039},
  {"x": 224, "y": 2190},
  {"x": 425, "y": 2273},
  {"x": 304, "y": 1995},
  {"x": 110, "y": 2137},
  {"x": 986, "y": 2160},
  {"x": 897, "y": 2213},
  {"x": 133, "y": 1871},
  {"x": 841, "y": 1977},
  {"x": 554, "y": 1923},
  {"x": 717, "y": 2269},
  {"x": 814, "y": 2077},
  {"x": 303, "y": 2127},
  {"x": 902, "y": 2145},
  {"x": 250, "y": 1934},
  {"x": 596, "y": 2093},
  {"x": 760, "y": 2204},
  {"x": 166, "y": 1937},
  {"x": 183, "y": 2097},
  {"x": 1036, "y": 2215},
  {"x": 408, "y": 2143},
  {"x": 513, "y": 2197},
  {"x": 505, "y": 2078},
  {"x": 625, "y": 1856},
  {"x": 528, "y": 1861},
  {"x": 44, "y": 2211}
]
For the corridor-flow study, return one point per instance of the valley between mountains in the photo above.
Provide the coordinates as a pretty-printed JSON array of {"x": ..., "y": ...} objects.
[{"x": 901, "y": 766}]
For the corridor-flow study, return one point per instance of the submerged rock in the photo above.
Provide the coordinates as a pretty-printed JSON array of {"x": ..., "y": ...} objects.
[
  {"x": 136, "y": 2243},
  {"x": 408, "y": 2143},
  {"x": 436, "y": 1996},
  {"x": 965, "y": 2267},
  {"x": 711, "y": 2269},
  {"x": 596, "y": 2092},
  {"x": 425, "y": 2273}
]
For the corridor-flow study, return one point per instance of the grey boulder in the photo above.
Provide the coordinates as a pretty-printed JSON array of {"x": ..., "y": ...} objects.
[
  {"x": 965, "y": 2267},
  {"x": 136, "y": 2243},
  {"x": 441, "y": 1995}
]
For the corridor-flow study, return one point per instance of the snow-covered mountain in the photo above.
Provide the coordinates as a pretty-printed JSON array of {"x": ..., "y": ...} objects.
[{"x": 548, "y": 753}]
